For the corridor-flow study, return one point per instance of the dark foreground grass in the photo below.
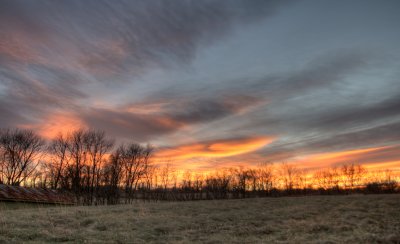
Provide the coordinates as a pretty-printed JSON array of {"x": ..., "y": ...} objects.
[{"x": 318, "y": 219}]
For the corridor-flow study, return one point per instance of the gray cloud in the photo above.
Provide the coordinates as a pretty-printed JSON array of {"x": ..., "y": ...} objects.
[
  {"x": 32, "y": 92},
  {"x": 212, "y": 108},
  {"x": 322, "y": 72},
  {"x": 350, "y": 116},
  {"x": 8, "y": 117},
  {"x": 51, "y": 50},
  {"x": 41, "y": 85},
  {"x": 126, "y": 125},
  {"x": 127, "y": 36},
  {"x": 144, "y": 126},
  {"x": 382, "y": 135},
  {"x": 90, "y": 59},
  {"x": 305, "y": 110},
  {"x": 379, "y": 135}
]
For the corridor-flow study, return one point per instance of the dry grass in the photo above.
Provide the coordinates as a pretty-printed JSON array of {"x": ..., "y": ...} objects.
[{"x": 319, "y": 219}]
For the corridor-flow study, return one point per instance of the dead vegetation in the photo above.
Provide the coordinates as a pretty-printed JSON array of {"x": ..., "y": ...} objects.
[{"x": 317, "y": 219}]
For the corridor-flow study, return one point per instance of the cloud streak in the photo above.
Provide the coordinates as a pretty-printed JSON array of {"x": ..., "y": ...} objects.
[
  {"x": 205, "y": 80},
  {"x": 214, "y": 149},
  {"x": 167, "y": 118}
]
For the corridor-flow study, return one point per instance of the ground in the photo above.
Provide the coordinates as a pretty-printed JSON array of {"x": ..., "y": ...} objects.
[{"x": 313, "y": 219}]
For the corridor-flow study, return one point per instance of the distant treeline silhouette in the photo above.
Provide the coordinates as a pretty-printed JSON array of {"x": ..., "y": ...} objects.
[{"x": 89, "y": 165}]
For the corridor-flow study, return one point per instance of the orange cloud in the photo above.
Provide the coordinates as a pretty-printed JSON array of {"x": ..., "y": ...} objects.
[
  {"x": 146, "y": 108},
  {"x": 214, "y": 149},
  {"x": 57, "y": 123},
  {"x": 374, "y": 158}
]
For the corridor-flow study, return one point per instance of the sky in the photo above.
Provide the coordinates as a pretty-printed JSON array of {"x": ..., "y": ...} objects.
[{"x": 210, "y": 84}]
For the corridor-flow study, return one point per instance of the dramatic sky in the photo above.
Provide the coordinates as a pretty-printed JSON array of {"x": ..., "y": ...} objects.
[{"x": 210, "y": 83}]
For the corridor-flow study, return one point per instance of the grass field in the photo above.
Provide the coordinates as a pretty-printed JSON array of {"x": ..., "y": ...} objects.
[{"x": 317, "y": 219}]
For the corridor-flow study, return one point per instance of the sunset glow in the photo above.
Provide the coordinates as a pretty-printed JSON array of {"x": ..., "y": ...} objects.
[
  {"x": 199, "y": 121},
  {"x": 210, "y": 84},
  {"x": 217, "y": 149},
  {"x": 364, "y": 156}
]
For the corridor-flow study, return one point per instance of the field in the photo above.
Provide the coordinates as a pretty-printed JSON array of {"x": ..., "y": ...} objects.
[{"x": 316, "y": 219}]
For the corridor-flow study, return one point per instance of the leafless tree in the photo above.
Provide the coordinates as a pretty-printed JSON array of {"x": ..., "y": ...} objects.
[
  {"x": 59, "y": 158},
  {"x": 265, "y": 177},
  {"x": 239, "y": 182},
  {"x": 166, "y": 173},
  {"x": 20, "y": 151},
  {"x": 353, "y": 174},
  {"x": 77, "y": 151},
  {"x": 136, "y": 160},
  {"x": 113, "y": 176},
  {"x": 327, "y": 179},
  {"x": 80, "y": 162},
  {"x": 217, "y": 186},
  {"x": 96, "y": 145},
  {"x": 289, "y": 174}
]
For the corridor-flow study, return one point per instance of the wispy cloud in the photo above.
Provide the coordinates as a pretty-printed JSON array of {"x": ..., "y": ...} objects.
[
  {"x": 213, "y": 149},
  {"x": 161, "y": 72}
]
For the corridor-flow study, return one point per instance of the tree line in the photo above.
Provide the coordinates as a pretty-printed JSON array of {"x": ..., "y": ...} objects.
[{"x": 89, "y": 165}]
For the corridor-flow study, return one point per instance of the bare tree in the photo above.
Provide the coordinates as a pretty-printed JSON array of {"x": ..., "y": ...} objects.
[
  {"x": 289, "y": 174},
  {"x": 353, "y": 174},
  {"x": 187, "y": 185},
  {"x": 76, "y": 148},
  {"x": 165, "y": 175},
  {"x": 265, "y": 177},
  {"x": 59, "y": 159},
  {"x": 20, "y": 151},
  {"x": 113, "y": 176},
  {"x": 239, "y": 181},
  {"x": 327, "y": 179},
  {"x": 136, "y": 160},
  {"x": 80, "y": 163},
  {"x": 217, "y": 185},
  {"x": 96, "y": 146}
]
